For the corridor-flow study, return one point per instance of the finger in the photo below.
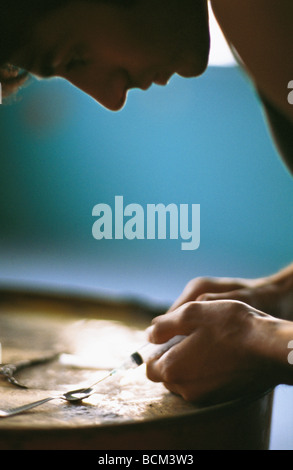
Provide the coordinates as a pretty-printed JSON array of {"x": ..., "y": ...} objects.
[
  {"x": 241, "y": 295},
  {"x": 182, "y": 321},
  {"x": 201, "y": 286},
  {"x": 165, "y": 368},
  {"x": 187, "y": 391},
  {"x": 153, "y": 371},
  {"x": 177, "y": 384}
]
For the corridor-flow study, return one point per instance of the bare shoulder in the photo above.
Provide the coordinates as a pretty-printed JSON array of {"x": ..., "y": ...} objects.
[{"x": 261, "y": 32}]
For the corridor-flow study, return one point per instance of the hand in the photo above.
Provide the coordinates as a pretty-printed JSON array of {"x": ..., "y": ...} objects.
[
  {"x": 265, "y": 294},
  {"x": 228, "y": 351}
]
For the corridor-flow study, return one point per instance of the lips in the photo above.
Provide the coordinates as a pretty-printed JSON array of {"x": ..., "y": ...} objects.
[
  {"x": 162, "y": 79},
  {"x": 145, "y": 86},
  {"x": 159, "y": 78}
]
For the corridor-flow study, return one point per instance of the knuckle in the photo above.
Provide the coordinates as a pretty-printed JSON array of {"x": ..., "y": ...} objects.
[
  {"x": 157, "y": 319},
  {"x": 201, "y": 285},
  {"x": 189, "y": 395},
  {"x": 158, "y": 326},
  {"x": 236, "y": 305},
  {"x": 191, "y": 285},
  {"x": 187, "y": 312},
  {"x": 156, "y": 333},
  {"x": 205, "y": 297},
  {"x": 151, "y": 375},
  {"x": 169, "y": 374},
  {"x": 235, "y": 311},
  {"x": 170, "y": 369},
  {"x": 162, "y": 372}
]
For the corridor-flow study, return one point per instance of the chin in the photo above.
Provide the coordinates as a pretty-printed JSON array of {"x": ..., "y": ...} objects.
[
  {"x": 197, "y": 63},
  {"x": 113, "y": 106},
  {"x": 194, "y": 70}
]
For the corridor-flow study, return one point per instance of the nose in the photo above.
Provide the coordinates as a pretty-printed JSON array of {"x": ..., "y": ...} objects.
[{"x": 108, "y": 89}]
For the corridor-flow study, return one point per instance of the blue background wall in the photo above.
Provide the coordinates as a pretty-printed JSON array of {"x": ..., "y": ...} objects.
[{"x": 200, "y": 141}]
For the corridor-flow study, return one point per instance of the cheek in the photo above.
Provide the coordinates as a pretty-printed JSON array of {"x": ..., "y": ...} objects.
[
  {"x": 132, "y": 47},
  {"x": 130, "y": 56}
]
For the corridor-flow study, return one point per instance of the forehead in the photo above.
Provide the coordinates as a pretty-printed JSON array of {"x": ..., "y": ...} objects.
[
  {"x": 77, "y": 17},
  {"x": 55, "y": 31}
]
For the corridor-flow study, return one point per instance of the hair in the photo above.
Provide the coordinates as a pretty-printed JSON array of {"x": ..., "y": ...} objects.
[{"x": 17, "y": 21}]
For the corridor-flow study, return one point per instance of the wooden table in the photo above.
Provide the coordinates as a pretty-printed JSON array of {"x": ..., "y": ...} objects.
[{"x": 129, "y": 412}]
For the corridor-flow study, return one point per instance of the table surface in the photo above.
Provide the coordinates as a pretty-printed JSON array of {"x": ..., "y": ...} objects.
[
  {"x": 282, "y": 420},
  {"x": 101, "y": 338}
]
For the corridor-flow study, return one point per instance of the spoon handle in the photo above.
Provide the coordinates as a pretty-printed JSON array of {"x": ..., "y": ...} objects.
[{"x": 21, "y": 409}]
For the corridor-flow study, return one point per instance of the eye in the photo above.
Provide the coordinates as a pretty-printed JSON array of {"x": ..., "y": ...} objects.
[{"x": 77, "y": 60}]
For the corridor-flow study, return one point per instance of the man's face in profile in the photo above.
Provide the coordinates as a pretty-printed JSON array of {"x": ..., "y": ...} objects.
[{"x": 105, "y": 49}]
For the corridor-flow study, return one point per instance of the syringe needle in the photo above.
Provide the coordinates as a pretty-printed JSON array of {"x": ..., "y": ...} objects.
[{"x": 144, "y": 354}]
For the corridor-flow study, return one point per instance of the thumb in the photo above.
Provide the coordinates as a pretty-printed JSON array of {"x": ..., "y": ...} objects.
[{"x": 182, "y": 321}]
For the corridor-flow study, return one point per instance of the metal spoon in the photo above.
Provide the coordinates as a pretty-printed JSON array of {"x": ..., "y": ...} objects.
[
  {"x": 8, "y": 371},
  {"x": 147, "y": 352},
  {"x": 71, "y": 396}
]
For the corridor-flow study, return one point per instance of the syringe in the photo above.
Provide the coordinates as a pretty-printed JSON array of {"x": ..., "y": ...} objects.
[
  {"x": 150, "y": 351},
  {"x": 144, "y": 354}
]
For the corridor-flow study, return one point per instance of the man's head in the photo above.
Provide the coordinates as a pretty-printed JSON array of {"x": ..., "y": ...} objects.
[{"x": 106, "y": 48}]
